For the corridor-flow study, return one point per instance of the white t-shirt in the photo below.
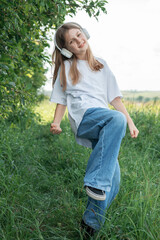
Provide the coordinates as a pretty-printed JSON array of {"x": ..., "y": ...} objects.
[{"x": 95, "y": 89}]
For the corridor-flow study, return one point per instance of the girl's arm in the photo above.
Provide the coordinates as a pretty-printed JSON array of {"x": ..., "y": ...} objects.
[
  {"x": 59, "y": 113},
  {"x": 118, "y": 105}
]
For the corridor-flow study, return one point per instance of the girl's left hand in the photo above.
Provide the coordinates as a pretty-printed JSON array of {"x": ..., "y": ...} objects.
[{"x": 133, "y": 130}]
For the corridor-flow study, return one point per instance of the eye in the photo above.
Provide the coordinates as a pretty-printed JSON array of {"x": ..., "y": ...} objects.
[
  {"x": 79, "y": 34},
  {"x": 70, "y": 42}
]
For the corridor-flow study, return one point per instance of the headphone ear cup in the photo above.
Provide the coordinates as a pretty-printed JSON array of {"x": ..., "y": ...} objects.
[
  {"x": 66, "y": 53},
  {"x": 86, "y": 33}
]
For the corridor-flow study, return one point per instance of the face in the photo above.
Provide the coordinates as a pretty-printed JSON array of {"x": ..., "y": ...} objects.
[{"x": 76, "y": 42}]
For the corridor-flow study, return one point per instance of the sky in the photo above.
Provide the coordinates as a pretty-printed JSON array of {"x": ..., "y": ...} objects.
[{"x": 128, "y": 38}]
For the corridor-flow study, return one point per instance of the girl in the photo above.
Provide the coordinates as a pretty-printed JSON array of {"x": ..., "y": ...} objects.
[{"x": 86, "y": 85}]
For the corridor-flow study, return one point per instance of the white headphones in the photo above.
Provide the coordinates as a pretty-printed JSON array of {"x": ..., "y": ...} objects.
[{"x": 64, "y": 51}]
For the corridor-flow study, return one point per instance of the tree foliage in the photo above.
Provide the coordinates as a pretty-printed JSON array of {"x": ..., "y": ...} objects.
[{"x": 23, "y": 38}]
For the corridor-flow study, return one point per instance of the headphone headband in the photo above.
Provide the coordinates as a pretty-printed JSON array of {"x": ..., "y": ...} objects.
[{"x": 64, "y": 51}]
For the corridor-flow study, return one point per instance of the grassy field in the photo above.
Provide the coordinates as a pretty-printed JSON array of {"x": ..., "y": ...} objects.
[
  {"x": 134, "y": 94},
  {"x": 141, "y": 96},
  {"x": 41, "y": 180}
]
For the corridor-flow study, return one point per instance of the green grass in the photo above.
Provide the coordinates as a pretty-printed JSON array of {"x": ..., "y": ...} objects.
[{"x": 41, "y": 181}]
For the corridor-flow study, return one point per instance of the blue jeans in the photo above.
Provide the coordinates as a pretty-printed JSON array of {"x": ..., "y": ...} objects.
[{"x": 105, "y": 128}]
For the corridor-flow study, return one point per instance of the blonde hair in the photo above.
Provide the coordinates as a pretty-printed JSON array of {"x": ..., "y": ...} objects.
[{"x": 58, "y": 59}]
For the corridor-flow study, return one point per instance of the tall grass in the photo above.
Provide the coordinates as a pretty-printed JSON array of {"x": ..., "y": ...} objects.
[{"x": 41, "y": 181}]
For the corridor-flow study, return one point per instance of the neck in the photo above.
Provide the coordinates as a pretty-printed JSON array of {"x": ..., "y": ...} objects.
[{"x": 82, "y": 56}]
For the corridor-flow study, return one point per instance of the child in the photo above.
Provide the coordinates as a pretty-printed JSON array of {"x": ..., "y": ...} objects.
[{"x": 86, "y": 86}]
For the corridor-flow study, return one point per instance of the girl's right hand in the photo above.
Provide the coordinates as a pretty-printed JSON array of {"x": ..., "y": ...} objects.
[
  {"x": 55, "y": 128},
  {"x": 133, "y": 130}
]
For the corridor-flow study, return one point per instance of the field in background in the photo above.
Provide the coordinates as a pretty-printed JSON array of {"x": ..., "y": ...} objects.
[
  {"x": 138, "y": 96},
  {"x": 141, "y": 96},
  {"x": 41, "y": 175}
]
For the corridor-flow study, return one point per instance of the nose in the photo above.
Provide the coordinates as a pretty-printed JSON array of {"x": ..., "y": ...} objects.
[{"x": 78, "y": 40}]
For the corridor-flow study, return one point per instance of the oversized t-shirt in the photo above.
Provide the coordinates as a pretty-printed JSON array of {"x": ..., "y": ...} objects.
[{"x": 95, "y": 89}]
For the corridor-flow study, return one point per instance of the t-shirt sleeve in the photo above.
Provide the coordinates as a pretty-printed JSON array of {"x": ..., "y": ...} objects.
[
  {"x": 57, "y": 94},
  {"x": 113, "y": 90}
]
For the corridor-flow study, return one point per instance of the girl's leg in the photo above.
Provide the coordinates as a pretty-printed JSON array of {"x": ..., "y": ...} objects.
[
  {"x": 106, "y": 128},
  {"x": 94, "y": 215}
]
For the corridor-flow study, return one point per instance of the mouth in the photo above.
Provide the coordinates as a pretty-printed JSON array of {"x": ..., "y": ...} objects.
[{"x": 82, "y": 45}]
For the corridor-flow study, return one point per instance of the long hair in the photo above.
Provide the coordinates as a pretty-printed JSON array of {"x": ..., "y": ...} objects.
[{"x": 58, "y": 59}]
